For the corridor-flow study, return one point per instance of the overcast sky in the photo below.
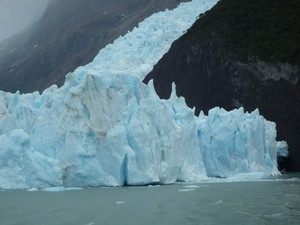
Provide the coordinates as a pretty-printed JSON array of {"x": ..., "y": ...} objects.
[{"x": 15, "y": 15}]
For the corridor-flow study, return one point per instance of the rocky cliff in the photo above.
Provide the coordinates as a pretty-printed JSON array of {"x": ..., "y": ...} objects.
[
  {"x": 209, "y": 70},
  {"x": 69, "y": 34}
]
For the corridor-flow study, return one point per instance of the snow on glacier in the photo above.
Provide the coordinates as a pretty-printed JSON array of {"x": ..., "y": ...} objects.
[{"x": 104, "y": 127}]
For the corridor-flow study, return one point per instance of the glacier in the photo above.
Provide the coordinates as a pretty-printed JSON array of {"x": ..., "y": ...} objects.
[{"x": 105, "y": 127}]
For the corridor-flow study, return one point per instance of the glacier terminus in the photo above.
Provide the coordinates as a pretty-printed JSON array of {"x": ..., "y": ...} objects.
[{"x": 105, "y": 127}]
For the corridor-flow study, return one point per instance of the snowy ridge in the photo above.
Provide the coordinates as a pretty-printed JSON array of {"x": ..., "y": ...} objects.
[{"x": 104, "y": 127}]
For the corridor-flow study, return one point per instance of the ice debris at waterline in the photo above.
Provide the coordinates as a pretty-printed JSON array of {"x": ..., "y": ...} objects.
[{"x": 104, "y": 127}]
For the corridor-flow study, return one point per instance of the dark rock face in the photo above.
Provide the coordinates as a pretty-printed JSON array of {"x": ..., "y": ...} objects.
[
  {"x": 208, "y": 75},
  {"x": 69, "y": 34}
]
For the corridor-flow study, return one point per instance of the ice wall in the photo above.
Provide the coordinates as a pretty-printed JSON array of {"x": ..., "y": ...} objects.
[{"x": 104, "y": 127}]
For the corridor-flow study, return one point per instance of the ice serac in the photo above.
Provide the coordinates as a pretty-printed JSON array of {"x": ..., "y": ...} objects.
[
  {"x": 104, "y": 127},
  {"x": 237, "y": 142}
]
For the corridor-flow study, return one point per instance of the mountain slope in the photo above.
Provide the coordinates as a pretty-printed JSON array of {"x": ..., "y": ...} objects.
[
  {"x": 70, "y": 34},
  {"x": 241, "y": 53}
]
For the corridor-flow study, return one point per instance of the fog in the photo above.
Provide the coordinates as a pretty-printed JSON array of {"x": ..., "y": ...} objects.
[{"x": 15, "y": 15}]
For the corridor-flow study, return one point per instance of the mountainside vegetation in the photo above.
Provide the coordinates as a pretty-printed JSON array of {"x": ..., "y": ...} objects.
[{"x": 269, "y": 29}]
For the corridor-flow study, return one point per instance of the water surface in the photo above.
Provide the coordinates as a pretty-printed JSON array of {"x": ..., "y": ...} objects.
[{"x": 274, "y": 201}]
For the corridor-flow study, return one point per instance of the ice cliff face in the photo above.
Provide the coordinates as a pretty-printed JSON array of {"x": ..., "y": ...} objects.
[{"x": 104, "y": 127}]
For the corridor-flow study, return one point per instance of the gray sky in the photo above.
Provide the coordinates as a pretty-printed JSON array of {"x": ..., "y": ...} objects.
[{"x": 15, "y": 15}]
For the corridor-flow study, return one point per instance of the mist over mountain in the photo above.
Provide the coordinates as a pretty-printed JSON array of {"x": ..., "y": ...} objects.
[
  {"x": 241, "y": 53},
  {"x": 69, "y": 34},
  {"x": 16, "y": 15}
]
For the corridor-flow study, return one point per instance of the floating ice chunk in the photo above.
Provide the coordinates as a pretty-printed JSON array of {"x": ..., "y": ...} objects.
[
  {"x": 218, "y": 202},
  {"x": 120, "y": 202},
  {"x": 59, "y": 189},
  {"x": 192, "y": 186},
  {"x": 33, "y": 189},
  {"x": 186, "y": 190}
]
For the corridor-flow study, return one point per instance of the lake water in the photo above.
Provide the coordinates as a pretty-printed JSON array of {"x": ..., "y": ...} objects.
[{"x": 273, "y": 201}]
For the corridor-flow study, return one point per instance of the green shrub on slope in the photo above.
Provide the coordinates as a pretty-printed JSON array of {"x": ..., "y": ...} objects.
[{"x": 269, "y": 29}]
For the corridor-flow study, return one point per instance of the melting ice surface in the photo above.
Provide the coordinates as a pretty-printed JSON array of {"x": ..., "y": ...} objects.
[{"x": 104, "y": 127}]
